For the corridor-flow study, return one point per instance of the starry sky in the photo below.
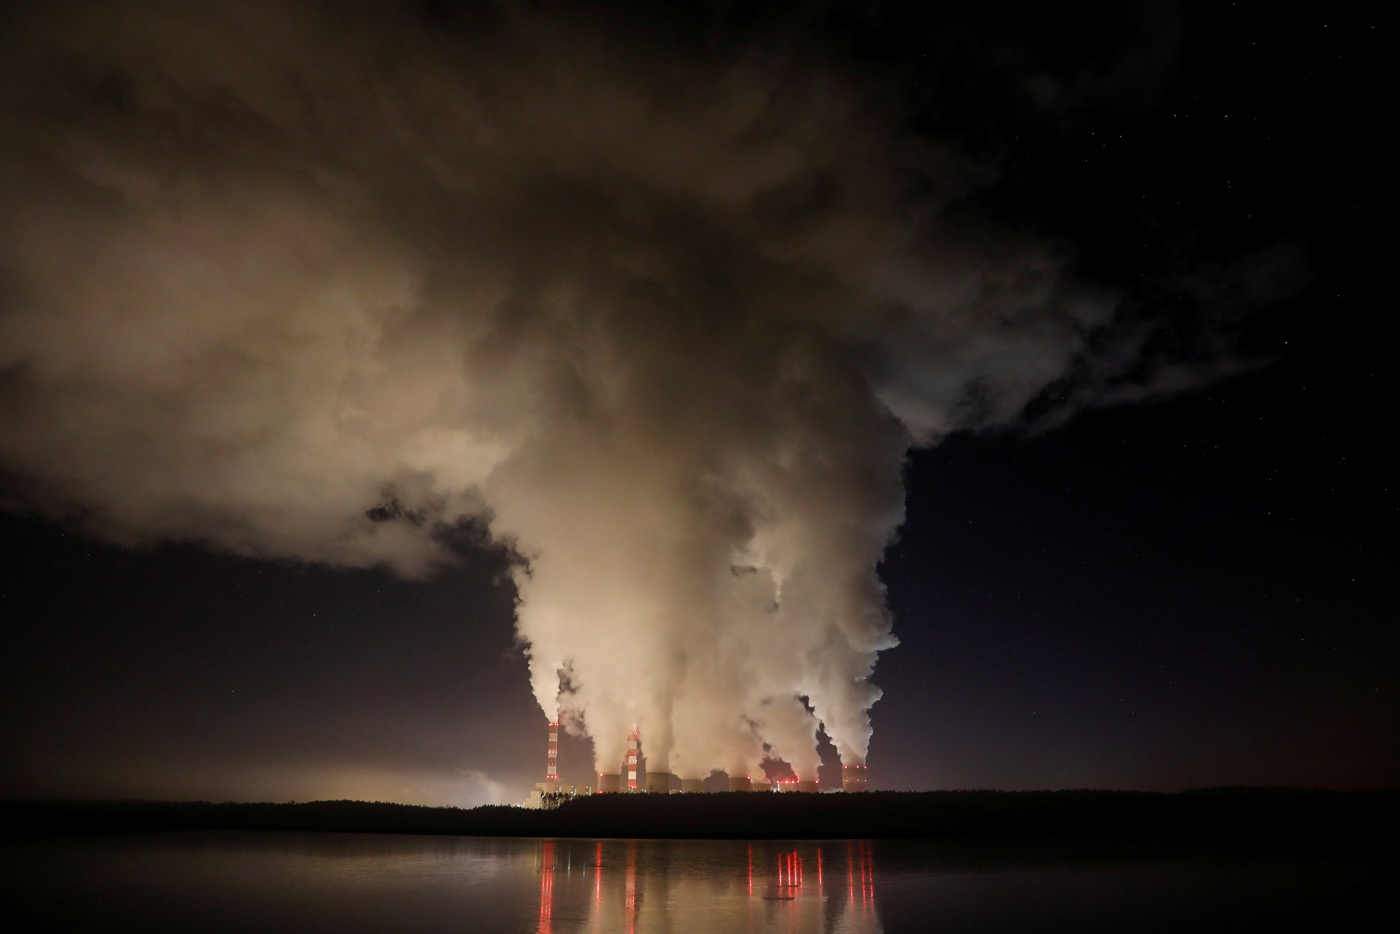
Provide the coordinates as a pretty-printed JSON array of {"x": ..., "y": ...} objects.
[{"x": 1179, "y": 581}]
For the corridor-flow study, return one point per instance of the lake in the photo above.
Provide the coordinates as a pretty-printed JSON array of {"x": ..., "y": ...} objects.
[{"x": 347, "y": 883}]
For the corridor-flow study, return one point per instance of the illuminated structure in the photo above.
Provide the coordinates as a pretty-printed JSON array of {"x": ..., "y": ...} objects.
[
  {"x": 551, "y": 769},
  {"x": 634, "y": 751},
  {"x": 853, "y": 778},
  {"x": 633, "y": 777},
  {"x": 546, "y": 793}
]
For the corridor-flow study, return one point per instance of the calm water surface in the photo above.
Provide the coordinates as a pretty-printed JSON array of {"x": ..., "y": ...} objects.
[{"x": 351, "y": 883}]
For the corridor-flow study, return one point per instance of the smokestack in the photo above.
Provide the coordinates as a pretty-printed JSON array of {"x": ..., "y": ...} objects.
[
  {"x": 853, "y": 778},
  {"x": 634, "y": 751},
  {"x": 659, "y": 783},
  {"x": 740, "y": 783},
  {"x": 690, "y": 786},
  {"x": 609, "y": 783},
  {"x": 551, "y": 768}
]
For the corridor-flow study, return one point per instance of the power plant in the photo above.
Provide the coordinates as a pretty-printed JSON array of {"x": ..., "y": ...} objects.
[{"x": 633, "y": 777}]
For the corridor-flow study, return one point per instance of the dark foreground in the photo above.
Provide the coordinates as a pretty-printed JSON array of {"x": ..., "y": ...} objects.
[
  {"x": 217, "y": 881},
  {"x": 878, "y": 815}
]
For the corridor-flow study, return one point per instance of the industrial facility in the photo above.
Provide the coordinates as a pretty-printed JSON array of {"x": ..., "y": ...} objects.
[{"x": 632, "y": 777}]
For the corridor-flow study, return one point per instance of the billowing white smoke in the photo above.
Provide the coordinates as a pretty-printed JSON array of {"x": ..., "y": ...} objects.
[{"x": 669, "y": 322}]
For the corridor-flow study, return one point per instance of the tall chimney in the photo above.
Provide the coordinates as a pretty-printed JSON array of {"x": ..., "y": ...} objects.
[
  {"x": 634, "y": 749},
  {"x": 551, "y": 768}
]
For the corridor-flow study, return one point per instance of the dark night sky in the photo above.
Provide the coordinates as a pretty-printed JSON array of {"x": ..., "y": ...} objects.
[{"x": 1189, "y": 590}]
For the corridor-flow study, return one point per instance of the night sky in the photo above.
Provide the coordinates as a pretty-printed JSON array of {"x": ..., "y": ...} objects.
[{"x": 1174, "y": 567}]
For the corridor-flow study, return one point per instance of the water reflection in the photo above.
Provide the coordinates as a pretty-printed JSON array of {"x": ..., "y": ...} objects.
[
  {"x": 666, "y": 886},
  {"x": 364, "y": 884}
]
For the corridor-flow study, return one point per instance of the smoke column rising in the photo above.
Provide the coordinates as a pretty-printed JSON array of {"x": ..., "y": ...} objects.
[{"x": 297, "y": 281}]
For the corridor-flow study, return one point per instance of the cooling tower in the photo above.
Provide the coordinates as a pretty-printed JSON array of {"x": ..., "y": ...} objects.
[
  {"x": 659, "y": 783},
  {"x": 808, "y": 787},
  {"x": 609, "y": 783},
  {"x": 852, "y": 778},
  {"x": 740, "y": 783},
  {"x": 762, "y": 786},
  {"x": 692, "y": 785}
]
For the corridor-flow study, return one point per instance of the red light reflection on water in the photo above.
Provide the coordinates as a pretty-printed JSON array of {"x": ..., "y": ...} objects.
[
  {"x": 631, "y": 901},
  {"x": 598, "y": 881},
  {"x": 850, "y": 873},
  {"x": 782, "y": 878},
  {"x": 867, "y": 875},
  {"x": 547, "y": 888},
  {"x": 791, "y": 869},
  {"x": 870, "y": 874}
]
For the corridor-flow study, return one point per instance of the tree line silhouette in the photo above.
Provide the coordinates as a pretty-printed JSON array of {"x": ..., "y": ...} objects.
[{"x": 907, "y": 815}]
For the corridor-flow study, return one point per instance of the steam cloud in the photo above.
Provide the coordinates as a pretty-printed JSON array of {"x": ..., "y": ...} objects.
[{"x": 302, "y": 282}]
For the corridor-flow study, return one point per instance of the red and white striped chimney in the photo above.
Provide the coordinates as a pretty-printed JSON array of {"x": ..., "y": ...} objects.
[
  {"x": 634, "y": 748},
  {"x": 551, "y": 769}
]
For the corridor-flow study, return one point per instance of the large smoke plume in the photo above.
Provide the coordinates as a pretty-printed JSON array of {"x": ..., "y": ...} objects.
[{"x": 302, "y": 282}]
